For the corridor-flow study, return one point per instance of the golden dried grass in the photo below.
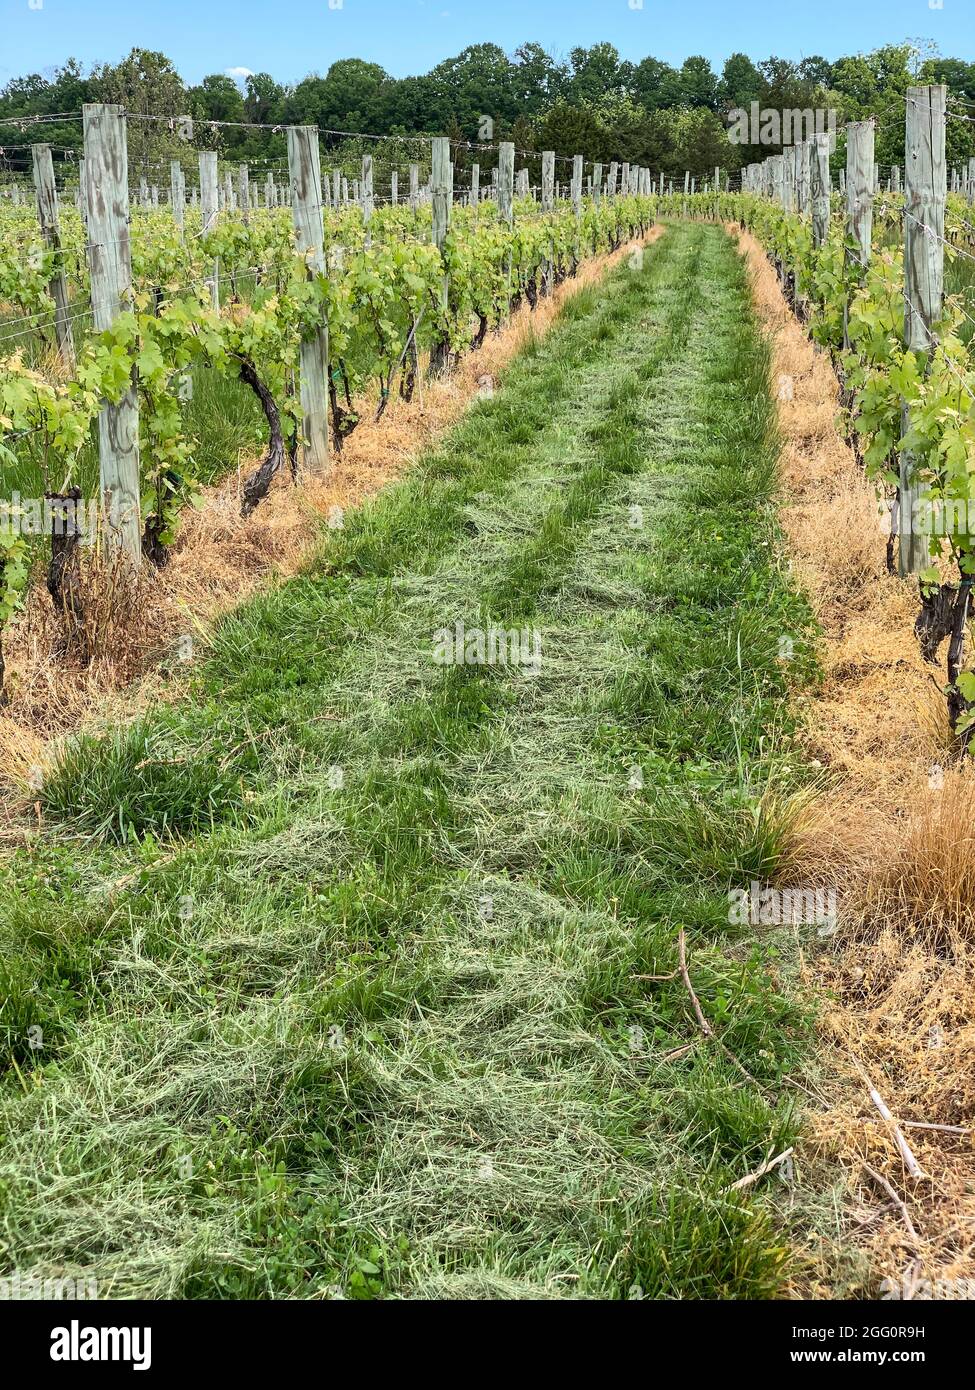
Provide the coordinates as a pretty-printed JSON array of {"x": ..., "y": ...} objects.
[{"x": 896, "y": 834}]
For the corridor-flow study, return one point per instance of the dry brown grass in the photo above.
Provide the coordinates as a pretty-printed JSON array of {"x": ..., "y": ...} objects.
[
  {"x": 895, "y": 834},
  {"x": 219, "y": 558}
]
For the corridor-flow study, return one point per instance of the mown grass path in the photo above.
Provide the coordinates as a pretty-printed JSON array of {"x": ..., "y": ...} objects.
[{"x": 359, "y": 971}]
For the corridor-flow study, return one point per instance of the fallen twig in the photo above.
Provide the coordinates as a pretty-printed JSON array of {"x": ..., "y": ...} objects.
[
  {"x": 943, "y": 1129},
  {"x": 910, "y": 1162},
  {"x": 706, "y": 1028},
  {"x": 895, "y": 1198},
  {"x": 761, "y": 1170}
]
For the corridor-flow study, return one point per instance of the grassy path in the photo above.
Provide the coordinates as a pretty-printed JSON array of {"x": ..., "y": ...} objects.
[{"x": 358, "y": 970}]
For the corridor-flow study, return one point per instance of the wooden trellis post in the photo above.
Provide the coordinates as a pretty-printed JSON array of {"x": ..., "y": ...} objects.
[
  {"x": 441, "y": 197},
  {"x": 110, "y": 268},
  {"x": 47, "y": 216},
  {"x": 925, "y": 188},
  {"x": 305, "y": 172},
  {"x": 244, "y": 191},
  {"x": 859, "y": 199},
  {"x": 577, "y": 166},
  {"x": 506, "y": 180},
  {"x": 177, "y": 195},
  {"x": 394, "y": 188},
  {"x": 368, "y": 200},
  {"x": 548, "y": 180},
  {"x": 819, "y": 187},
  {"x": 414, "y": 186},
  {"x": 210, "y": 211}
]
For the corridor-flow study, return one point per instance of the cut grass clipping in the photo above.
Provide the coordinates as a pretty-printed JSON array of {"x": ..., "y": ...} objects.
[{"x": 359, "y": 972}]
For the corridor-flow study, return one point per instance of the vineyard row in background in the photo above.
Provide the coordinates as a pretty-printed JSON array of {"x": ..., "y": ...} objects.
[
  {"x": 867, "y": 273},
  {"x": 116, "y": 318}
]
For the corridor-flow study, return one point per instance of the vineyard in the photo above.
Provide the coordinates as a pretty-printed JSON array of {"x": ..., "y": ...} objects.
[
  {"x": 866, "y": 270},
  {"x": 185, "y": 295},
  {"x": 400, "y": 938}
]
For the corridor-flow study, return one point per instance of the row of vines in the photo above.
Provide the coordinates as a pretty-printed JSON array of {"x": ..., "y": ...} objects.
[
  {"x": 382, "y": 297},
  {"x": 898, "y": 402}
]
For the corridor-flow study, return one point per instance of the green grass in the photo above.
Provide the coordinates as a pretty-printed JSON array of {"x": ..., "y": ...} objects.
[{"x": 344, "y": 964}]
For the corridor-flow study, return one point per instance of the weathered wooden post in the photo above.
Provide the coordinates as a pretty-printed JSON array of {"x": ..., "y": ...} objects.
[
  {"x": 506, "y": 178},
  {"x": 577, "y": 166},
  {"x": 414, "y": 186},
  {"x": 859, "y": 201},
  {"x": 110, "y": 268},
  {"x": 47, "y": 216},
  {"x": 368, "y": 200},
  {"x": 304, "y": 167},
  {"x": 394, "y": 188},
  {"x": 244, "y": 191},
  {"x": 790, "y": 181},
  {"x": 475, "y": 185},
  {"x": 441, "y": 191},
  {"x": 210, "y": 211},
  {"x": 548, "y": 206},
  {"x": 177, "y": 195},
  {"x": 597, "y": 183},
  {"x": 925, "y": 189},
  {"x": 548, "y": 180},
  {"x": 818, "y": 147}
]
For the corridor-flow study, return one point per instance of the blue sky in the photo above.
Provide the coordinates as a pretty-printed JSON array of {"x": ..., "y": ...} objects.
[{"x": 293, "y": 37}]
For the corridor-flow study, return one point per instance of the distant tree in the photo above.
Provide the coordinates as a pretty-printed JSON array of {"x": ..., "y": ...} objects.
[
  {"x": 597, "y": 74},
  {"x": 694, "y": 85},
  {"x": 816, "y": 71},
  {"x": 570, "y": 130},
  {"x": 147, "y": 84},
  {"x": 741, "y": 82},
  {"x": 218, "y": 98},
  {"x": 537, "y": 81},
  {"x": 263, "y": 97},
  {"x": 476, "y": 87},
  {"x": 959, "y": 77},
  {"x": 649, "y": 83}
]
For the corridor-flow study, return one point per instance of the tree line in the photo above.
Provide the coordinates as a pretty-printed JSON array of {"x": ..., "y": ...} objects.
[{"x": 593, "y": 103}]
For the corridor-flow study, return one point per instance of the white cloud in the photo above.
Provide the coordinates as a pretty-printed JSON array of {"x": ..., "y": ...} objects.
[{"x": 238, "y": 73}]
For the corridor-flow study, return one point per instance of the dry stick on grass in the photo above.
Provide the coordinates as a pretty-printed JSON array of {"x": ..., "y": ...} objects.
[
  {"x": 910, "y": 1162},
  {"x": 705, "y": 1026},
  {"x": 896, "y": 1198},
  {"x": 943, "y": 1129},
  {"x": 761, "y": 1170}
]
